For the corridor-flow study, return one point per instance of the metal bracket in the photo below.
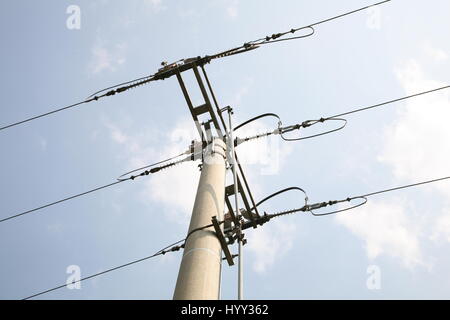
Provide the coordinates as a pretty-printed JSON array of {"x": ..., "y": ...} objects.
[
  {"x": 204, "y": 108},
  {"x": 222, "y": 241}
]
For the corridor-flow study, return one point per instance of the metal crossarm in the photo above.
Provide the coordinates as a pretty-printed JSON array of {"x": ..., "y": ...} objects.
[{"x": 213, "y": 117}]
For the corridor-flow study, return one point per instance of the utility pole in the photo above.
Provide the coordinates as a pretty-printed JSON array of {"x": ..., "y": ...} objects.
[
  {"x": 200, "y": 270},
  {"x": 199, "y": 274}
]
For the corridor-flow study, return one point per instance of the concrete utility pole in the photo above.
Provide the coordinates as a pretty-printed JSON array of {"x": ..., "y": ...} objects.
[{"x": 199, "y": 274}]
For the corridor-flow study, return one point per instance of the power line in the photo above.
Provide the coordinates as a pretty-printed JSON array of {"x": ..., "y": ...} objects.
[
  {"x": 348, "y": 13},
  {"x": 46, "y": 114},
  {"x": 266, "y": 218},
  {"x": 121, "y": 84},
  {"x": 274, "y": 37},
  {"x": 160, "y": 252},
  {"x": 93, "y": 97},
  {"x": 403, "y": 187},
  {"x": 148, "y": 166},
  {"x": 308, "y": 123},
  {"x": 387, "y": 102},
  {"x": 244, "y": 48},
  {"x": 119, "y": 180},
  {"x": 310, "y": 207},
  {"x": 250, "y": 45},
  {"x": 173, "y": 247},
  {"x": 59, "y": 201}
]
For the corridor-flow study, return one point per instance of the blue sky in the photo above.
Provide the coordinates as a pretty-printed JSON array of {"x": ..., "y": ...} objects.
[{"x": 359, "y": 60}]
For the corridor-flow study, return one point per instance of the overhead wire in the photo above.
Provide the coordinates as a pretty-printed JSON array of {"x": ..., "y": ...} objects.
[
  {"x": 363, "y": 197},
  {"x": 121, "y": 84},
  {"x": 244, "y": 48},
  {"x": 308, "y": 123},
  {"x": 253, "y": 44},
  {"x": 119, "y": 180},
  {"x": 160, "y": 252},
  {"x": 387, "y": 102},
  {"x": 348, "y": 13},
  {"x": 93, "y": 97},
  {"x": 273, "y": 38},
  {"x": 173, "y": 247},
  {"x": 59, "y": 201},
  {"x": 337, "y": 117},
  {"x": 176, "y": 247},
  {"x": 45, "y": 114},
  {"x": 405, "y": 186},
  {"x": 149, "y": 166},
  {"x": 191, "y": 157}
]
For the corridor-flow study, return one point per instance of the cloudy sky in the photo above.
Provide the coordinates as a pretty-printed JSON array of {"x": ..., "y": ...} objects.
[{"x": 402, "y": 238}]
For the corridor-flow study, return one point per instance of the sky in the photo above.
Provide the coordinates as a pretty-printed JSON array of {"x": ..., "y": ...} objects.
[{"x": 394, "y": 247}]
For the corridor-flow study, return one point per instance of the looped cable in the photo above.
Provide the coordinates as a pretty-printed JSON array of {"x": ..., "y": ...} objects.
[
  {"x": 259, "y": 117},
  {"x": 280, "y": 192},
  {"x": 364, "y": 201},
  {"x": 309, "y": 123},
  {"x": 272, "y": 40}
]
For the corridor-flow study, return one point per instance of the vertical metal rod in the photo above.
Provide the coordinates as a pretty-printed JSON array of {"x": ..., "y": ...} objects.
[
  {"x": 238, "y": 217},
  {"x": 240, "y": 268}
]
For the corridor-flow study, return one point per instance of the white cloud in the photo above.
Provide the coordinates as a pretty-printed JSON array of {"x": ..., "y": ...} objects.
[
  {"x": 185, "y": 13},
  {"x": 415, "y": 148},
  {"x": 116, "y": 134},
  {"x": 436, "y": 54},
  {"x": 154, "y": 2},
  {"x": 385, "y": 228},
  {"x": 244, "y": 89},
  {"x": 57, "y": 228},
  {"x": 43, "y": 143},
  {"x": 416, "y": 145},
  {"x": 269, "y": 244},
  {"x": 175, "y": 187},
  {"x": 107, "y": 58},
  {"x": 441, "y": 228},
  {"x": 232, "y": 9},
  {"x": 155, "y": 5}
]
